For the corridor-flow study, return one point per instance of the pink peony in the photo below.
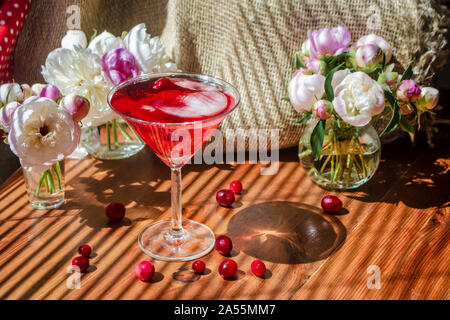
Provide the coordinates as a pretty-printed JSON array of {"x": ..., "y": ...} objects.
[
  {"x": 50, "y": 91},
  {"x": 77, "y": 106},
  {"x": 379, "y": 42},
  {"x": 429, "y": 98},
  {"x": 329, "y": 41},
  {"x": 323, "y": 109},
  {"x": 119, "y": 64},
  {"x": 368, "y": 56}
]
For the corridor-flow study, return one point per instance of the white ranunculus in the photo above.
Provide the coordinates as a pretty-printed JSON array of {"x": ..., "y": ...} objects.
[
  {"x": 104, "y": 42},
  {"x": 10, "y": 92},
  {"x": 149, "y": 52},
  {"x": 378, "y": 41},
  {"x": 6, "y": 115},
  {"x": 79, "y": 71},
  {"x": 305, "y": 90},
  {"x": 42, "y": 133},
  {"x": 74, "y": 38},
  {"x": 358, "y": 98}
]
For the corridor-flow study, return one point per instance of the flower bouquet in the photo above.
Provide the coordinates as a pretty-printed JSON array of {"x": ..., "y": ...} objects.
[
  {"x": 92, "y": 69},
  {"x": 41, "y": 133},
  {"x": 340, "y": 90}
]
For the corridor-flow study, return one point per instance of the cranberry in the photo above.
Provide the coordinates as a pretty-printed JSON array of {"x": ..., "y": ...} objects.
[
  {"x": 81, "y": 262},
  {"x": 225, "y": 197},
  {"x": 258, "y": 268},
  {"x": 163, "y": 84},
  {"x": 331, "y": 204},
  {"x": 115, "y": 211},
  {"x": 236, "y": 186},
  {"x": 199, "y": 266},
  {"x": 223, "y": 245},
  {"x": 85, "y": 250},
  {"x": 144, "y": 270},
  {"x": 228, "y": 268}
]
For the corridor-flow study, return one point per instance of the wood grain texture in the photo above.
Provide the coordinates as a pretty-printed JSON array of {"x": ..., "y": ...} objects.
[{"x": 399, "y": 222}]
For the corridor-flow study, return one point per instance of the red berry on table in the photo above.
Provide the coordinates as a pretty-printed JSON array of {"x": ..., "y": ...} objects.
[
  {"x": 144, "y": 270},
  {"x": 163, "y": 84},
  {"x": 225, "y": 197},
  {"x": 258, "y": 268},
  {"x": 115, "y": 211},
  {"x": 331, "y": 204},
  {"x": 236, "y": 186},
  {"x": 81, "y": 262},
  {"x": 199, "y": 266},
  {"x": 85, "y": 250},
  {"x": 228, "y": 268},
  {"x": 223, "y": 245}
]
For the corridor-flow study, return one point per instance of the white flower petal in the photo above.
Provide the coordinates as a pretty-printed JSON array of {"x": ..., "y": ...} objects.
[
  {"x": 104, "y": 42},
  {"x": 305, "y": 90},
  {"x": 74, "y": 38}
]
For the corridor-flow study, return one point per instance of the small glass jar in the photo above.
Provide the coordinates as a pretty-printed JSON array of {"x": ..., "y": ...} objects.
[
  {"x": 112, "y": 140},
  {"x": 45, "y": 188},
  {"x": 349, "y": 158}
]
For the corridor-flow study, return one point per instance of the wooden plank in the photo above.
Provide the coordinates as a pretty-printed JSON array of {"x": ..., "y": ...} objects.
[
  {"x": 293, "y": 236},
  {"x": 404, "y": 236}
]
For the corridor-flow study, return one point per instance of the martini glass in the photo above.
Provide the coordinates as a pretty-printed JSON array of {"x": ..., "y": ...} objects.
[{"x": 175, "y": 113}]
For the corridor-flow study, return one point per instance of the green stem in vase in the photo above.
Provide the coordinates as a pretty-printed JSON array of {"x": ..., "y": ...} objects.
[
  {"x": 116, "y": 139},
  {"x": 124, "y": 132},
  {"x": 50, "y": 181},
  {"x": 41, "y": 181},
  {"x": 108, "y": 136},
  {"x": 58, "y": 176}
]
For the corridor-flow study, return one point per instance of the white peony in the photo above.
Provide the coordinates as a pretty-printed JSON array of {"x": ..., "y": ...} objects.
[
  {"x": 74, "y": 38},
  {"x": 149, "y": 52},
  {"x": 10, "y": 92},
  {"x": 42, "y": 133},
  {"x": 79, "y": 71},
  {"x": 104, "y": 42},
  {"x": 305, "y": 90},
  {"x": 357, "y": 98}
]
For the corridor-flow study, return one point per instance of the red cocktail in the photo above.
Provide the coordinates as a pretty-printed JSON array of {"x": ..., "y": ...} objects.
[{"x": 175, "y": 114}]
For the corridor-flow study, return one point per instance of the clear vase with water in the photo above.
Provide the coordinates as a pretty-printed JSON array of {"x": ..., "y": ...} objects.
[{"x": 350, "y": 155}]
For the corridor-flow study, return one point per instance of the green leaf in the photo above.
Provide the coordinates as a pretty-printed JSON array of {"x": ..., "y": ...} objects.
[
  {"x": 389, "y": 97},
  {"x": 298, "y": 61},
  {"x": 395, "y": 119},
  {"x": 407, "y": 127},
  {"x": 329, "y": 92},
  {"x": 408, "y": 72},
  {"x": 317, "y": 137},
  {"x": 286, "y": 98},
  {"x": 7, "y": 96},
  {"x": 305, "y": 118}
]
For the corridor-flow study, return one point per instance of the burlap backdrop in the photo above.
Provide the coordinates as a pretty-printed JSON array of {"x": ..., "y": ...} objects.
[{"x": 249, "y": 43}]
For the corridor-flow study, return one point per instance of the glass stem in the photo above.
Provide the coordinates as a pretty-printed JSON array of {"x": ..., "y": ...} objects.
[{"x": 177, "y": 227}]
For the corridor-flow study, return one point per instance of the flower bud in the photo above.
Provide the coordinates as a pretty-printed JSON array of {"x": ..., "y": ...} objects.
[
  {"x": 77, "y": 106},
  {"x": 429, "y": 98},
  {"x": 74, "y": 38},
  {"x": 302, "y": 71},
  {"x": 408, "y": 91},
  {"x": 388, "y": 78},
  {"x": 306, "y": 47},
  {"x": 379, "y": 42},
  {"x": 37, "y": 88},
  {"x": 26, "y": 91},
  {"x": 322, "y": 109},
  {"x": 316, "y": 65},
  {"x": 6, "y": 115},
  {"x": 50, "y": 91},
  {"x": 368, "y": 56},
  {"x": 10, "y": 92}
]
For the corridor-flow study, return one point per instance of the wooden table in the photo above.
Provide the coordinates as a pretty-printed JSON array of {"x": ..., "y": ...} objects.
[{"x": 399, "y": 222}]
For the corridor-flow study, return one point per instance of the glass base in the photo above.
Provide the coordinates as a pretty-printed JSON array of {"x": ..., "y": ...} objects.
[
  {"x": 47, "y": 204},
  {"x": 194, "y": 241},
  {"x": 102, "y": 152}
]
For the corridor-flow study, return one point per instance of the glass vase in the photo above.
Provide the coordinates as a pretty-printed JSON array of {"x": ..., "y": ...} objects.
[
  {"x": 112, "y": 140},
  {"x": 349, "y": 158},
  {"x": 45, "y": 188}
]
